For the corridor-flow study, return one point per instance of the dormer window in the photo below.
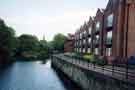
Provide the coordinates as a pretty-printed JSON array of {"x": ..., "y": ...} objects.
[{"x": 110, "y": 20}]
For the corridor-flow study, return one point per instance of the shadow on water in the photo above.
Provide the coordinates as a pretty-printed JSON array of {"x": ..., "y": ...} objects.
[{"x": 66, "y": 81}]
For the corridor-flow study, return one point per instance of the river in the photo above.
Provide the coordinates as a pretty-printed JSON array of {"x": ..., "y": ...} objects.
[{"x": 32, "y": 76}]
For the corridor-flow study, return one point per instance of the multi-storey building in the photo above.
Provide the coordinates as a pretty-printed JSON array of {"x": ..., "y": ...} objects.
[
  {"x": 110, "y": 33},
  {"x": 119, "y": 29},
  {"x": 83, "y": 38},
  {"x": 90, "y": 25},
  {"x": 98, "y": 32},
  {"x": 69, "y": 44}
]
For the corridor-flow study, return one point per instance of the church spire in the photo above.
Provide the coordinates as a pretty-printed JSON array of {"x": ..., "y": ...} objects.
[{"x": 44, "y": 37}]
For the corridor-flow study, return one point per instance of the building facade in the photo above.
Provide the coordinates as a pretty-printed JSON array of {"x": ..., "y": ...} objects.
[
  {"x": 111, "y": 33},
  {"x": 119, "y": 29},
  {"x": 98, "y": 32},
  {"x": 83, "y": 38},
  {"x": 69, "y": 44}
]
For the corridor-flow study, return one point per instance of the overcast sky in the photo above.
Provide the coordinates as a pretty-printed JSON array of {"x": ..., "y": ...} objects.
[{"x": 39, "y": 17}]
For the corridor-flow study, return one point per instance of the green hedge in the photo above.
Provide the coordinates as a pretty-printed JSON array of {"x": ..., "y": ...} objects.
[
  {"x": 101, "y": 61},
  {"x": 89, "y": 58},
  {"x": 95, "y": 60}
]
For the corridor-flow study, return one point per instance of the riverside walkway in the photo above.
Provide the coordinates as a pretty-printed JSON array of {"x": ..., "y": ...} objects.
[{"x": 124, "y": 74}]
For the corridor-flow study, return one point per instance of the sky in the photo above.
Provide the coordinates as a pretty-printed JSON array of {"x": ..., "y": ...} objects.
[{"x": 48, "y": 17}]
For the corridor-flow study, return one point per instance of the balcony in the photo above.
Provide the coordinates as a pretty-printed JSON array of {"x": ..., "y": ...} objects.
[
  {"x": 109, "y": 41},
  {"x": 96, "y": 31},
  {"x": 96, "y": 42}
]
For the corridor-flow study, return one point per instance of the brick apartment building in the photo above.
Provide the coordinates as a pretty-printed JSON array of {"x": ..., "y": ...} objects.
[
  {"x": 110, "y": 33},
  {"x": 69, "y": 44},
  {"x": 98, "y": 33},
  {"x": 119, "y": 29}
]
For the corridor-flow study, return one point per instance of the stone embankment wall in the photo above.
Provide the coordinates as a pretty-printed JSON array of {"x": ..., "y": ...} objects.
[{"x": 89, "y": 80}]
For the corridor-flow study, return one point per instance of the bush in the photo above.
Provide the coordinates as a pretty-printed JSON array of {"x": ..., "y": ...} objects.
[
  {"x": 77, "y": 55},
  {"x": 101, "y": 61},
  {"x": 89, "y": 58}
]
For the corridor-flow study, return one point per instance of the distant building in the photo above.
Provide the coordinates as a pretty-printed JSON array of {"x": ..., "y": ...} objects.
[{"x": 69, "y": 44}]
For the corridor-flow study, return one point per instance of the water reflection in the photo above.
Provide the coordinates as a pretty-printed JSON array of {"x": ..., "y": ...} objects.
[{"x": 33, "y": 76}]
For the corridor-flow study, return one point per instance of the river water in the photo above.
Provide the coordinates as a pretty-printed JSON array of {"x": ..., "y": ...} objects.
[{"x": 32, "y": 76}]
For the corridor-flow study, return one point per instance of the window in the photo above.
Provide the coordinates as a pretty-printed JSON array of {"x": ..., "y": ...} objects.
[
  {"x": 80, "y": 43},
  {"x": 84, "y": 32},
  {"x": 108, "y": 51},
  {"x": 110, "y": 20},
  {"x": 89, "y": 50},
  {"x": 89, "y": 40},
  {"x": 96, "y": 51},
  {"x": 80, "y": 35},
  {"x": 83, "y": 50},
  {"x": 75, "y": 49},
  {"x": 90, "y": 30},
  {"x": 80, "y": 49},
  {"x": 84, "y": 41},
  {"x": 97, "y": 25},
  {"x": 97, "y": 37},
  {"x": 77, "y": 36},
  {"x": 109, "y": 34}
]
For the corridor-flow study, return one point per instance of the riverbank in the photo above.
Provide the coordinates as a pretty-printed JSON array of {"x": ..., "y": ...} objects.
[
  {"x": 66, "y": 79},
  {"x": 88, "y": 78}
]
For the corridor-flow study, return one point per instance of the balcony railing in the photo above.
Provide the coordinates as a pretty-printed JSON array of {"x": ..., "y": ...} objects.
[
  {"x": 96, "y": 31},
  {"x": 109, "y": 41},
  {"x": 96, "y": 41}
]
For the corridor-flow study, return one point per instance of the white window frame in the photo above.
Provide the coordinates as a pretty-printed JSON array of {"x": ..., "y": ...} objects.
[
  {"x": 109, "y": 34},
  {"x": 84, "y": 50},
  {"x": 108, "y": 51},
  {"x": 98, "y": 25},
  {"x": 96, "y": 51},
  {"x": 110, "y": 20},
  {"x": 90, "y": 30},
  {"x": 89, "y": 50},
  {"x": 89, "y": 40}
]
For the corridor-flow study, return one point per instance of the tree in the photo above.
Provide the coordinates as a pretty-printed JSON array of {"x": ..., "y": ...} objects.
[
  {"x": 43, "y": 50},
  {"x": 58, "y": 42},
  {"x": 28, "y": 46},
  {"x": 28, "y": 42},
  {"x": 7, "y": 42}
]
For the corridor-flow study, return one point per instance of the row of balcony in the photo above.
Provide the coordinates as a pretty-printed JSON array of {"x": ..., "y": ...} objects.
[{"x": 108, "y": 41}]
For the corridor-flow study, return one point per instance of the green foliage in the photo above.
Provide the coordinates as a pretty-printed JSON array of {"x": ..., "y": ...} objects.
[
  {"x": 58, "y": 42},
  {"x": 89, "y": 58},
  {"x": 31, "y": 48},
  {"x": 28, "y": 42},
  {"x": 7, "y": 42},
  {"x": 101, "y": 61}
]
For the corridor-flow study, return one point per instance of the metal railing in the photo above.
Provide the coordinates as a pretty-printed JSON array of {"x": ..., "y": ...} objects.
[{"x": 121, "y": 73}]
